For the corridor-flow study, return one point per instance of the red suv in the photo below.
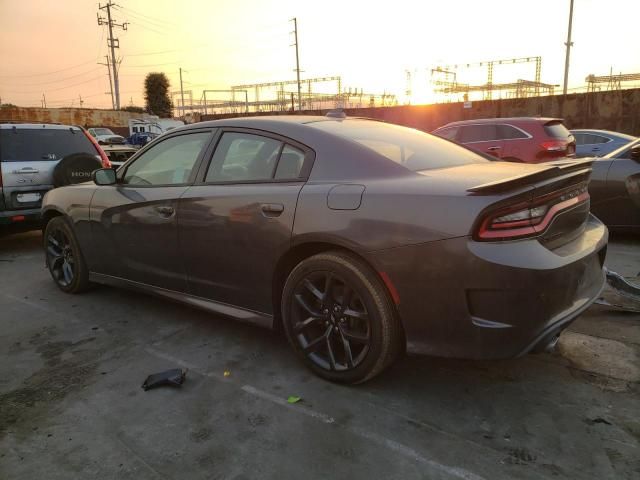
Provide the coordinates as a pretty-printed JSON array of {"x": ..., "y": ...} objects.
[{"x": 528, "y": 140}]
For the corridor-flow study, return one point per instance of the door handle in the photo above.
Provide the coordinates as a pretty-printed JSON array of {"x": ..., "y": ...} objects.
[
  {"x": 27, "y": 170},
  {"x": 493, "y": 149},
  {"x": 595, "y": 149},
  {"x": 272, "y": 209},
  {"x": 164, "y": 210}
]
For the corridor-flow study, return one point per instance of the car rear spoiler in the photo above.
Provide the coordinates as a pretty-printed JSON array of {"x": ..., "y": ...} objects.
[{"x": 553, "y": 169}]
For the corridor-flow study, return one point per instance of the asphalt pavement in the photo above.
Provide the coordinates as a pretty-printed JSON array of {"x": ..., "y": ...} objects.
[{"x": 72, "y": 406}]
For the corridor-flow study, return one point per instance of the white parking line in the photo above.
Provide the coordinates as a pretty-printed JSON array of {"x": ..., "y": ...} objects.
[{"x": 380, "y": 440}]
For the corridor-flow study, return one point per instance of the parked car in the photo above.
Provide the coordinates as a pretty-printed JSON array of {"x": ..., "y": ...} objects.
[
  {"x": 615, "y": 188},
  {"x": 361, "y": 238},
  {"x": 36, "y": 157},
  {"x": 526, "y": 139},
  {"x": 596, "y": 143},
  {"x": 119, "y": 154},
  {"x": 141, "y": 138},
  {"x": 104, "y": 136}
]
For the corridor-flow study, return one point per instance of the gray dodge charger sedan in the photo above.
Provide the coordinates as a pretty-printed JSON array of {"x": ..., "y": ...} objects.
[{"x": 360, "y": 239}]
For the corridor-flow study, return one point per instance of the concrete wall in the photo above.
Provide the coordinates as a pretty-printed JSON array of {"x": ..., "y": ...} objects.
[
  {"x": 118, "y": 121},
  {"x": 617, "y": 110}
]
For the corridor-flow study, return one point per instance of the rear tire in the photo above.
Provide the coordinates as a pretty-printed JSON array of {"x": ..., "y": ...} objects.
[
  {"x": 64, "y": 258},
  {"x": 339, "y": 318}
]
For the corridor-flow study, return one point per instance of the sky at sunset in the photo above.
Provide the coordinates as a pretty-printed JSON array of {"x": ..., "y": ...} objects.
[{"x": 53, "y": 47}]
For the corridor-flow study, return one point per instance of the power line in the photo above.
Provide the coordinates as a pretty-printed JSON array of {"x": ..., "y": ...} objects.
[
  {"x": 59, "y": 88},
  {"x": 144, "y": 16},
  {"x": 59, "y": 80},
  {"x": 49, "y": 73}
]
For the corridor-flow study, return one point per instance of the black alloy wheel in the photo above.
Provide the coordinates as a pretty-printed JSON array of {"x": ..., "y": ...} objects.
[
  {"x": 339, "y": 317},
  {"x": 64, "y": 258},
  {"x": 330, "y": 322},
  {"x": 60, "y": 257}
]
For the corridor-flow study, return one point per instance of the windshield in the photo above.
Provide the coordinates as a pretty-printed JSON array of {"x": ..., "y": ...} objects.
[
  {"x": 617, "y": 152},
  {"x": 103, "y": 131},
  {"x": 410, "y": 148}
]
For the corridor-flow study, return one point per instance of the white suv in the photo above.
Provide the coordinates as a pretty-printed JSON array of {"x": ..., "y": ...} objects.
[{"x": 34, "y": 158}]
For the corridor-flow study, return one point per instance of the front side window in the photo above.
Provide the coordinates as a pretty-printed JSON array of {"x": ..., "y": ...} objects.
[
  {"x": 169, "y": 162},
  {"x": 478, "y": 133},
  {"x": 241, "y": 157}
]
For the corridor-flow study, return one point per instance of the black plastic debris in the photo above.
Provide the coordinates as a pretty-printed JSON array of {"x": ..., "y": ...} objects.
[
  {"x": 620, "y": 293},
  {"x": 173, "y": 377}
]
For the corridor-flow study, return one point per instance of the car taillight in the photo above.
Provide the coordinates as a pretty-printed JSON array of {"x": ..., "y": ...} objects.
[
  {"x": 528, "y": 219},
  {"x": 555, "y": 145},
  {"x": 106, "y": 163}
]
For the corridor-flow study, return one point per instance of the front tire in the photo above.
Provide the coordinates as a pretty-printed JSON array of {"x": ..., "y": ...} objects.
[
  {"x": 64, "y": 258},
  {"x": 339, "y": 318}
]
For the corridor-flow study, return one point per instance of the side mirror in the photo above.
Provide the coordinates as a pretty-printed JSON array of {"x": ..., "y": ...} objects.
[
  {"x": 635, "y": 153},
  {"x": 104, "y": 176}
]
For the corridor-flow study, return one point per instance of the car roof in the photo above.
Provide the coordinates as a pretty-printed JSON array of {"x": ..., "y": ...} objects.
[
  {"x": 503, "y": 120},
  {"x": 50, "y": 126},
  {"x": 603, "y": 132},
  {"x": 287, "y": 125}
]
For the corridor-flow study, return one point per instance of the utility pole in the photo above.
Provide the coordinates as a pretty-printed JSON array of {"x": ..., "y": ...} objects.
[
  {"x": 81, "y": 101},
  {"x": 108, "y": 65},
  {"x": 44, "y": 101},
  {"x": 181, "y": 92},
  {"x": 112, "y": 43},
  {"x": 295, "y": 33},
  {"x": 569, "y": 44}
]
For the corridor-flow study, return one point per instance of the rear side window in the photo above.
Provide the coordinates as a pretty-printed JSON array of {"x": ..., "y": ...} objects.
[
  {"x": 478, "y": 133},
  {"x": 413, "y": 149},
  {"x": 589, "y": 139},
  {"x": 37, "y": 144},
  {"x": 448, "y": 133},
  {"x": 290, "y": 163},
  {"x": 509, "y": 132},
  {"x": 556, "y": 130},
  {"x": 243, "y": 157}
]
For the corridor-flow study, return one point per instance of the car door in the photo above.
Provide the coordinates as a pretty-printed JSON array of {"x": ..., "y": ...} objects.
[
  {"x": 134, "y": 223},
  {"x": 482, "y": 137},
  {"x": 622, "y": 200},
  {"x": 236, "y": 222}
]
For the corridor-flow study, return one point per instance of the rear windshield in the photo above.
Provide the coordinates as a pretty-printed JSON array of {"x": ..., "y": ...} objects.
[
  {"x": 103, "y": 131},
  {"x": 31, "y": 144},
  {"x": 556, "y": 130},
  {"x": 411, "y": 148}
]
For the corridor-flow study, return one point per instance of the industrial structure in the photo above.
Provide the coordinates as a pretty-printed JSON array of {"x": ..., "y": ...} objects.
[
  {"x": 610, "y": 82},
  {"x": 445, "y": 80},
  {"x": 315, "y": 94}
]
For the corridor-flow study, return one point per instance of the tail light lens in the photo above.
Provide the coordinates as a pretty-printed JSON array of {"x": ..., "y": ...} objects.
[
  {"x": 555, "y": 145},
  {"x": 106, "y": 163},
  {"x": 528, "y": 219}
]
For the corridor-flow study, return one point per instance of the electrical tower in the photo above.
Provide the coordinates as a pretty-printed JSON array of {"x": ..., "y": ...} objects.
[
  {"x": 295, "y": 33},
  {"x": 112, "y": 43}
]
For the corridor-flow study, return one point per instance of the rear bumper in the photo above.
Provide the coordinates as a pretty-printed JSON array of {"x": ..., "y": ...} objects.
[
  {"x": 11, "y": 217},
  {"x": 466, "y": 299}
]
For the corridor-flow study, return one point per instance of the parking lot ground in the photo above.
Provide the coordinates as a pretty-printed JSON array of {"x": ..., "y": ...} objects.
[{"x": 71, "y": 405}]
